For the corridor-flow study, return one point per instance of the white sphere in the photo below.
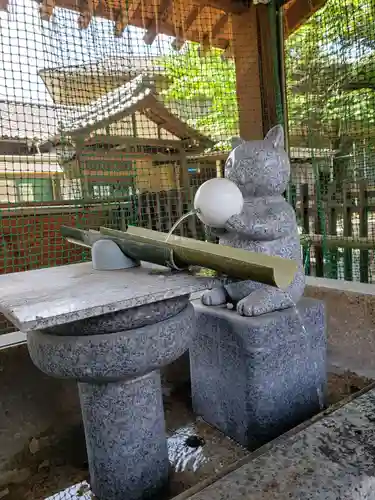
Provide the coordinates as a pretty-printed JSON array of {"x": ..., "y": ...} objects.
[{"x": 217, "y": 200}]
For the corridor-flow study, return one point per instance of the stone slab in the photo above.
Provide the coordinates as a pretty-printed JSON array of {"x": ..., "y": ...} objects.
[
  {"x": 49, "y": 297},
  {"x": 256, "y": 378},
  {"x": 331, "y": 458}
]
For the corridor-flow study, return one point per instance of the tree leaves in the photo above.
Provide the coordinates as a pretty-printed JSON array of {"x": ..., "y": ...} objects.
[{"x": 330, "y": 67}]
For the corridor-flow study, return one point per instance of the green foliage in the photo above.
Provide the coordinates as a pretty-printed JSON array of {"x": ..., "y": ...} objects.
[
  {"x": 207, "y": 81},
  {"x": 330, "y": 68},
  {"x": 330, "y": 65}
]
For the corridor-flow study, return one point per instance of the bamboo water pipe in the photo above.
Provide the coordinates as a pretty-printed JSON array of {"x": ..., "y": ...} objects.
[{"x": 146, "y": 245}]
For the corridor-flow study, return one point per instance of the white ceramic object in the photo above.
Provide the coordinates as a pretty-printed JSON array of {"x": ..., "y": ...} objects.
[
  {"x": 217, "y": 200},
  {"x": 107, "y": 256}
]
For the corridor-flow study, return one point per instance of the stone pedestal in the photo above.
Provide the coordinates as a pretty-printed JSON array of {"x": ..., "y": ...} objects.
[
  {"x": 125, "y": 436},
  {"x": 256, "y": 378},
  {"x": 112, "y": 331},
  {"x": 120, "y": 390}
]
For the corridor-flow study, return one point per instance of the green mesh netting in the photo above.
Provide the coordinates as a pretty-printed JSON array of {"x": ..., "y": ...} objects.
[
  {"x": 98, "y": 129},
  {"x": 330, "y": 85}
]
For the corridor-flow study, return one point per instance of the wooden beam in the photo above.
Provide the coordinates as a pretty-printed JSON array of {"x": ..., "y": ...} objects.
[
  {"x": 228, "y": 6},
  {"x": 192, "y": 16},
  {"x": 136, "y": 12},
  {"x": 46, "y": 9},
  {"x": 152, "y": 29},
  {"x": 179, "y": 41},
  {"x": 130, "y": 141},
  {"x": 205, "y": 46},
  {"x": 84, "y": 20},
  {"x": 87, "y": 11},
  {"x": 125, "y": 15},
  {"x": 118, "y": 156},
  {"x": 299, "y": 12},
  {"x": 219, "y": 26},
  {"x": 246, "y": 57},
  {"x": 122, "y": 21},
  {"x": 228, "y": 52},
  {"x": 267, "y": 46}
]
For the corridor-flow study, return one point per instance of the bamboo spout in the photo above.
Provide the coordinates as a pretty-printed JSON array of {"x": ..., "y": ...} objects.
[
  {"x": 234, "y": 262},
  {"x": 147, "y": 245}
]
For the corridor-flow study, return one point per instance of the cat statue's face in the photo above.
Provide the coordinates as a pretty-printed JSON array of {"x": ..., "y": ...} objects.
[{"x": 260, "y": 168}]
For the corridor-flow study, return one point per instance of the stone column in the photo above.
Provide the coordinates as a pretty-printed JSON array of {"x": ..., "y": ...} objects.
[
  {"x": 256, "y": 378},
  {"x": 116, "y": 359},
  {"x": 125, "y": 436}
]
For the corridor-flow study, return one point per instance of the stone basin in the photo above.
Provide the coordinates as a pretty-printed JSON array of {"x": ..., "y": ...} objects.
[
  {"x": 107, "y": 349},
  {"x": 111, "y": 331}
]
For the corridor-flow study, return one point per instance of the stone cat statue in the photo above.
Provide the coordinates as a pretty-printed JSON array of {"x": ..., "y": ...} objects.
[{"x": 267, "y": 224}]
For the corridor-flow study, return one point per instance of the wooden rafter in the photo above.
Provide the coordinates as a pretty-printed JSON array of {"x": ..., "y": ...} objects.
[
  {"x": 119, "y": 139},
  {"x": 228, "y": 6},
  {"x": 205, "y": 46},
  {"x": 219, "y": 26},
  {"x": 192, "y": 16},
  {"x": 179, "y": 41},
  {"x": 129, "y": 12},
  {"x": 152, "y": 28},
  {"x": 228, "y": 52},
  {"x": 136, "y": 12},
  {"x": 298, "y": 12},
  {"x": 46, "y": 9}
]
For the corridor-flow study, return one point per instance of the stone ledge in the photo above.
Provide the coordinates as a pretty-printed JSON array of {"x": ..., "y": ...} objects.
[
  {"x": 354, "y": 287},
  {"x": 329, "y": 456},
  {"x": 12, "y": 339},
  {"x": 351, "y": 322}
]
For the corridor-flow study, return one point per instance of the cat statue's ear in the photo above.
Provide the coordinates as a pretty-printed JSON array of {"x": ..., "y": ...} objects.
[
  {"x": 276, "y": 136},
  {"x": 236, "y": 141}
]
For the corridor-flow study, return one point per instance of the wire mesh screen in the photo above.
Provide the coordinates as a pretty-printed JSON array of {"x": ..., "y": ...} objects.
[
  {"x": 115, "y": 117},
  {"x": 330, "y": 82},
  {"x": 105, "y": 123}
]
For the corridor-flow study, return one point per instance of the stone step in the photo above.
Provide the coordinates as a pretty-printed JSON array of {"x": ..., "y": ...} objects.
[{"x": 329, "y": 457}]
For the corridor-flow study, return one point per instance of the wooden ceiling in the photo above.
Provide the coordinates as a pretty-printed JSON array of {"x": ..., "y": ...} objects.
[{"x": 208, "y": 22}]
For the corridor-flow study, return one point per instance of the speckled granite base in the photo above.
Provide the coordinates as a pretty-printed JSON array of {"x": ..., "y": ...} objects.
[
  {"x": 127, "y": 353},
  {"x": 125, "y": 437},
  {"x": 117, "y": 370},
  {"x": 256, "y": 378},
  {"x": 330, "y": 458}
]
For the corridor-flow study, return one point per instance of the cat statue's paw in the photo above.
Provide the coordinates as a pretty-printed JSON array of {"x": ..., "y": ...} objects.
[
  {"x": 235, "y": 224},
  {"x": 214, "y": 297},
  {"x": 264, "y": 300}
]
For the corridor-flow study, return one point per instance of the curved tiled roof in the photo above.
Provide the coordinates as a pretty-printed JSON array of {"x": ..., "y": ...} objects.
[
  {"x": 29, "y": 122},
  {"x": 137, "y": 95}
]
